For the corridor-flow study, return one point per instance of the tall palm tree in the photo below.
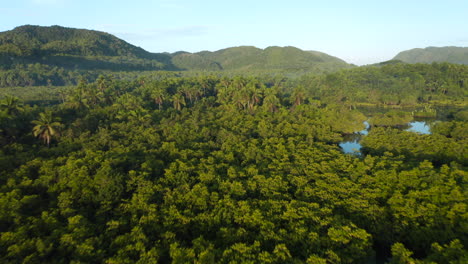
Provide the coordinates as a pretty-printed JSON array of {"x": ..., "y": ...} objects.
[
  {"x": 242, "y": 98},
  {"x": 3, "y": 121},
  {"x": 205, "y": 85},
  {"x": 271, "y": 101},
  {"x": 158, "y": 95},
  {"x": 191, "y": 92},
  {"x": 178, "y": 100},
  {"x": 11, "y": 105},
  {"x": 46, "y": 127},
  {"x": 255, "y": 94},
  {"x": 298, "y": 96},
  {"x": 10, "y": 108}
]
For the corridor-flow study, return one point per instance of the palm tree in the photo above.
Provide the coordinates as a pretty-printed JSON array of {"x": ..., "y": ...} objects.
[
  {"x": 271, "y": 100},
  {"x": 191, "y": 92},
  {"x": 46, "y": 127},
  {"x": 255, "y": 95},
  {"x": 205, "y": 84},
  {"x": 4, "y": 117},
  {"x": 10, "y": 108},
  {"x": 77, "y": 98},
  {"x": 298, "y": 96},
  {"x": 103, "y": 82},
  {"x": 11, "y": 105},
  {"x": 158, "y": 95},
  {"x": 242, "y": 98},
  {"x": 178, "y": 101}
]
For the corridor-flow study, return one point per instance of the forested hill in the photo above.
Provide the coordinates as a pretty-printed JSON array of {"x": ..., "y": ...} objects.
[
  {"x": 435, "y": 54},
  {"x": 81, "y": 49},
  {"x": 73, "y": 48},
  {"x": 36, "y": 40},
  {"x": 252, "y": 58}
]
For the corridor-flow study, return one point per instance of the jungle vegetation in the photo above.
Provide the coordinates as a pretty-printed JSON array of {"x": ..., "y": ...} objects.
[
  {"x": 214, "y": 169},
  {"x": 224, "y": 161}
]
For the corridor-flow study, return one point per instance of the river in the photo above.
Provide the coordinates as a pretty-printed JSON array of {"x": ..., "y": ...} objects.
[{"x": 351, "y": 145}]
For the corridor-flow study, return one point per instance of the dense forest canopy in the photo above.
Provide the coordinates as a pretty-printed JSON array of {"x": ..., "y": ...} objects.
[
  {"x": 214, "y": 169},
  {"x": 236, "y": 160},
  {"x": 398, "y": 85}
]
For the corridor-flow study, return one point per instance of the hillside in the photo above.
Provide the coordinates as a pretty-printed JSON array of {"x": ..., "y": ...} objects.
[
  {"x": 434, "y": 54},
  {"x": 247, "y": 58},
  {"x": 73, "y": 48},
  {"x": 37, "y": 55},
  {"x": 94, "y": 50}
]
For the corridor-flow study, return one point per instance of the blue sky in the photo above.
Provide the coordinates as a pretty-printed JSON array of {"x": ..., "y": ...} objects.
[{"x": 358, "y": 31}]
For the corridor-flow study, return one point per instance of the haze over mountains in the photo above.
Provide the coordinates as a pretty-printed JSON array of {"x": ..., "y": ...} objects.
[{"x": 94, "y": 50}]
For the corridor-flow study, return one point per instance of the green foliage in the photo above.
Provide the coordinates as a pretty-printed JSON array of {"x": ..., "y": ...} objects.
[
  {"x": 207, "y": 169},
  {"x": 391, "y": 118},
  {"x": 62, "y": 46},
  {"x": 46, "y": 127},
  {"x": 34, "y": 55},
  {"x": 434, "y": 54},
  {"x": 285, "y": 59},
  {"x": 392, "y": 85},
  {"x": 401, "y": 255},
  {"x": 452, "y": 253},
  {"x": 436, "y": 147}
]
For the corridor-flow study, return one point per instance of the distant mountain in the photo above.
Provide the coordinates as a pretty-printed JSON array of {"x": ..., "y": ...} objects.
[
  {"x": 82, "y": 49},
  {"x": 247, "y": 58},
  {"x": 435, "y": 54}
]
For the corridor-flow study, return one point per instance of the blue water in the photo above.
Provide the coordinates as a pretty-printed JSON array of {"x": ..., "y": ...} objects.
[
  {"x": 351, "y": 144},
  {"x": 351, "y": 147},
  {"x": 419, "y": 127}
]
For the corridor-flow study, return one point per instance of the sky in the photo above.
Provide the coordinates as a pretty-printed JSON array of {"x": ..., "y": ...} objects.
[{"x": 357, "y": 31}]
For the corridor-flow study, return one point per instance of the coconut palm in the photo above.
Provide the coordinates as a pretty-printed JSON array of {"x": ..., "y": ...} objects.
[
  {"x": 46, "y": 127},
  {"x": 271, "y": 101},
  {"x": 158, "y": 95},
  {"x": 11, "y": 105},
  {"x": 298, "y": 96},
  {"x": 255, "y": 95},
  {"x": 242, "y": 98},
  {"x": 178, "y": 100}
]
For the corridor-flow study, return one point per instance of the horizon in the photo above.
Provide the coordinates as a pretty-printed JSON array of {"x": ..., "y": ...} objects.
[{"x": 359, "y": 33}]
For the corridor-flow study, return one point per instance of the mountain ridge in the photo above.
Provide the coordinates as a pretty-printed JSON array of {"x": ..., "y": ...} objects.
[
  {"x": 270, "y": 58},
  {"x": 451, "y": 54},
  {"x": 74, "y": 48}
]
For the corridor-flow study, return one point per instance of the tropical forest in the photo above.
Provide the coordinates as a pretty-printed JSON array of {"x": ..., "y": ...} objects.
[{"x": 112, "y": 154}]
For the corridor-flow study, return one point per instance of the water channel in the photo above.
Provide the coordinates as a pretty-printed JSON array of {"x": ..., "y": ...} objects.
[{"x": 351, "y": 143}]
